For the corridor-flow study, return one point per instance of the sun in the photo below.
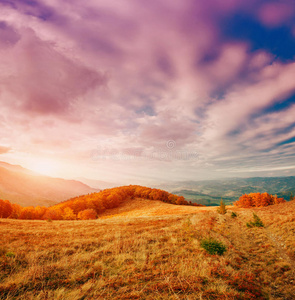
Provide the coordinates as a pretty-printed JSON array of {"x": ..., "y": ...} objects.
[{"x": 45, "y": 166}]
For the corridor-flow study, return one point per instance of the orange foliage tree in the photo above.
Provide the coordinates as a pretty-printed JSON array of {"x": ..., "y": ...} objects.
[
  {"x": 68, "y": 214},
  {"x": 53, "y": 213},
  {"x": 16, "y": 210},
  {"x": 87, "y": 214},
  {"x": 40, "y": 212},
  {"x": 27, "y": 213},
  {"x": 181, "y": 201},
  {"x": 5, "y": 208}
]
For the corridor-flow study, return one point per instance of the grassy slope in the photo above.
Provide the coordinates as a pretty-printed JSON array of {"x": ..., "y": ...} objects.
[{"x": 150, "y": 250}]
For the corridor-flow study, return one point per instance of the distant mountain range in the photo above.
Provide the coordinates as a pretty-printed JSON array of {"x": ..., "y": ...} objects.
[
  {"x": 24, "y": 187},
  {"x": 209, "y": 192}
]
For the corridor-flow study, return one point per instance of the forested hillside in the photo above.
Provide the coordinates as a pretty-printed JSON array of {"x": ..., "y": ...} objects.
[{"x": 88, "y": 206}]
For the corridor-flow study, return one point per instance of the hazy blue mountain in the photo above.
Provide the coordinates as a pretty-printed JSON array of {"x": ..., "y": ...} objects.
[{"x": 209, "y": 192}]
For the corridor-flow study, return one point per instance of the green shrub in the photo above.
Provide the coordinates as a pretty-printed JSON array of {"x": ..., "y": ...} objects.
[
  {"x": 233, "y": 214},
  {"x": 213, "y": 246},
  {"x": 10, "y": 254},
  {"x": 256, "y": 223}
]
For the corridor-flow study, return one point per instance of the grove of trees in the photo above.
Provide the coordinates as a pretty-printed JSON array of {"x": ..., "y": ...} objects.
[{"x": 258, "y": 200}]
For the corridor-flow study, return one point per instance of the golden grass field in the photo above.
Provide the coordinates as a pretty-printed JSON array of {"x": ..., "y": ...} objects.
[{"x": 150, "y": 250}]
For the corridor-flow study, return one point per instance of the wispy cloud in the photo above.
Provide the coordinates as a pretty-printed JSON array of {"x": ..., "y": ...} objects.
[{"x": 76, "y": 75}]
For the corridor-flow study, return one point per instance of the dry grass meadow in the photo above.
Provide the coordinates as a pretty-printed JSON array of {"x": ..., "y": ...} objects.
[{"x": 150, "y": 250}]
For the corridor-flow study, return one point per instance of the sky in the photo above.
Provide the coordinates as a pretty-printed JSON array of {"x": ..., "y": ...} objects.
[{"x": 136, "y": 91}]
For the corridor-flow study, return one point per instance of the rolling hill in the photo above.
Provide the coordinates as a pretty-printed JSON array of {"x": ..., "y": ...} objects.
[
  {"x": 133, "y": 208},
  {"x": 91, "y": 205},
  {"x": 24, "y": 187}
]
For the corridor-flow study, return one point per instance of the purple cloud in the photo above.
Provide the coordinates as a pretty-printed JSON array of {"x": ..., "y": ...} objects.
[
  {"x": 75, "y": 76},
  {"x": 276, "y": 13},
  {"x": 44, "y": 81}
]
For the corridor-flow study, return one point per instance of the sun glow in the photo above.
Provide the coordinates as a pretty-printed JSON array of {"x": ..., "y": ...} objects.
[{"x": 45, "y": 166}]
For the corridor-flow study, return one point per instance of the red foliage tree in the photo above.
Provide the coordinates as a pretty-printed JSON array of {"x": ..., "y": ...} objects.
[
  {"x": 39, "y": 212},
  {"x": 27, "y": 213},
  {"x": 87, "y": 214},
  {"x": 53, "y": 213},
  {"x": 277, "y": 200},
  {"x": 5, "y": 208},
  {"x": 68, "y": 214},
  {"x": 16, "y": 210},
  {"x": 172, "y": 199},
  {"x": 112, "y": 201},
  {"x": 181, "y": 201}
]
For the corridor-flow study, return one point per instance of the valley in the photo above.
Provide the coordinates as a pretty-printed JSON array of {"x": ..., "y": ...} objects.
[{"x": 209, "y": 192}]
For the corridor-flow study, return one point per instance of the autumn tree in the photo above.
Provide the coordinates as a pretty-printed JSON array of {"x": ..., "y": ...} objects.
[
  {"x": 154, "y": 194},
  {"x": 68, "y": 214},
  {"x": 87, "y": 214},
  {"x": 276, "y": 200},
  {"x": 172, "y": 199},
  {"x": 39, "y": 212},
  {"x": 265, "y": 200},
  {"x": 98, "y": 205},
  {"x": 181, "y": 201},
  {"x": 78, "y": 205},
  {"x": 16, "y": 211},
  {"x": 146, "y": 193},
  {"x": 53, "y": 213},
  {"x": 5, "y": 208},
  {"x": 244, "y": 201},
  {"x": 27, "y": 213}
]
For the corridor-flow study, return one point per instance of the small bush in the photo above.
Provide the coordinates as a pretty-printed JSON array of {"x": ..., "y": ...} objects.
[
  {"x": 49, "y": 220},
  {"x": 222, "y": 208},
  {"x": 213, "y": 246},
  {"x": 256, "y": 223},
  {"x": 233, "y": 214},
  {"x": 10, "y": 254}
]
